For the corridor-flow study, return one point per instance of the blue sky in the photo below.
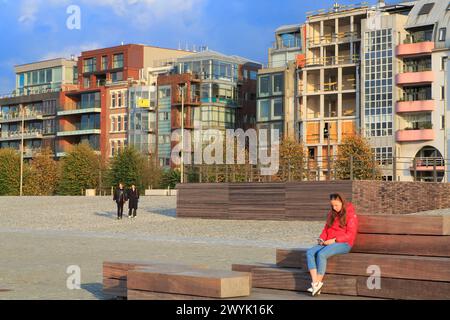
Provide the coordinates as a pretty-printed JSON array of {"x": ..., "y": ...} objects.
[{"x": 32, "y": 30}]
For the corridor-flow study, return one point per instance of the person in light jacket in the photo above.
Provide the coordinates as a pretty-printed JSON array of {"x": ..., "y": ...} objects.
[
  {"x": 133, "y": 197},
  {"x": 120, "y": 197},
  {"x": 337, "y": 237}
]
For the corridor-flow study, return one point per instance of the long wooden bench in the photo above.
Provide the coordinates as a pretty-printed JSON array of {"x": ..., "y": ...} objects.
[
  {"x": 115, "y": 274},
  {"x": 187, "y": 281},
  {"x": 412, "y": 253}
]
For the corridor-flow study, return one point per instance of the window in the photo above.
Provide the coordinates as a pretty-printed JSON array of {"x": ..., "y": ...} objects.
[
  {"x": 253, "y": 75},
  {"x": 119, "y": 99},
  {"x": 442, "y": 34},
  {"x": 125, "y": 122},
  {"x": 448, "y": 7},
  {"x": 426, "y": 9},
  {"x": 89, "y": 65},
  {"x": 264, "y": 110},
  {"x": 113, "y": 124},
  {"x": 112, "y": 148},
  {"x": 442, "y": 92},
  {"x": 117, "y": 76},
  {"x": 113, "y": 100},
  {"x": 442, "y": 122},
  {"x": 86, "y": 82},
  {"x": 278, "y": 83},
  {"x": 119, "y": 123},
  {"x": 118, "y": 61},
  {"x": 104, "y": 62},
  {"x": 277, "y": 109},
  {"x": 264, "y": 86},
  {"x": 312, "y": 153},
  {"x": 444, "y": 63}
]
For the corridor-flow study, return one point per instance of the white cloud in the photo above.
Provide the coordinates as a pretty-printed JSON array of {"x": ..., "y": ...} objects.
[
  {"x": 144, "y": 12},
  {"x": 66, "y": 52}
]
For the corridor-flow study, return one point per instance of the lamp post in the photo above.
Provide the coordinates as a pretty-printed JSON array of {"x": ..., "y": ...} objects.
[
  {"x": 182, "y": 132},
  {"x": 21, "y": 149}
]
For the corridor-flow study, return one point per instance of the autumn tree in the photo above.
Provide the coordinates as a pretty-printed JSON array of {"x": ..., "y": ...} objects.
[
  {"x": 292, "y": 161},
  {"x": 41, "y": 175},
  {"x": 9, "y": 172},
  {"x": 80, "y": 170},
  {"x": 355, "y": 155}
]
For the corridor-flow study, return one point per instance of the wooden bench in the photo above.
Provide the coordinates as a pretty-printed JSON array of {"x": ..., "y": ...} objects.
[
  {"x": 412, "y": 252},
  {"x": 185, "y": 282},
  {"x": 143, "y": 280},
  {"x": 115, "y": 274}
]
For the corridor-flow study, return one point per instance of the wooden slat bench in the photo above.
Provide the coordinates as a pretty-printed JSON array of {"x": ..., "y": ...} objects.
[
  {"x": 187, "y": 281},
  {"x": 412, "y": 252},
  {"x": 115, "y": 274}
]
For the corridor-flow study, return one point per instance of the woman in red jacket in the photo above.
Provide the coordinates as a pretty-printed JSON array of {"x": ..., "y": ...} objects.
[{"x": 337, "y": 237}]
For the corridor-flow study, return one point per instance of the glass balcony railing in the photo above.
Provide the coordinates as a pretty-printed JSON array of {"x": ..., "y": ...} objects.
[
  {"x": 417, "y": 37},
  {"x": 17, "y": 115},
  {"x": 17, "y": 134},
  {"x": 417, "y": 67}
]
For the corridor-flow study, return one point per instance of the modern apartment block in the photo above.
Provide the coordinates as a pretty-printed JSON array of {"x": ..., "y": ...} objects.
[
  {"x": 328, "y": 83},
  {"x": 219, "y": 93},
  {"x": 404, "y": 84},
  {"x": 277, "y": 82},
  {"x": 98, "y": 112},
  {"x": 35, "y": 101}
]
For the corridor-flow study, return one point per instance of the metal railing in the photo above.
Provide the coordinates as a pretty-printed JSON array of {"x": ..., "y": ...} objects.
[
  {"x": 428, "y": 169},
  {"x": 331, "y": 61},
  {"x": 331, "y": 38}
]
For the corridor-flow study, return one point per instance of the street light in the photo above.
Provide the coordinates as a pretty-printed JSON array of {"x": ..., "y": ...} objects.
[
  {"x": 182, "y": 132},
  {"x": 21, "y": 149}
]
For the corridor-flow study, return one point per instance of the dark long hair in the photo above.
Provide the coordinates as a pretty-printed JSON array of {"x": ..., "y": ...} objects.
[{"x": 342, "y": 215}]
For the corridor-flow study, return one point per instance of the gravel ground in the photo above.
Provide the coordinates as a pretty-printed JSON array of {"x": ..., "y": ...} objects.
[
  {"x": 155, "y": 221},
  {"x": 41, "y": 236}
]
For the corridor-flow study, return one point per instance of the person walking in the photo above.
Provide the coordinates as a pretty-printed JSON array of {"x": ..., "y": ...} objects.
[
  {"x": 120, "y": 197},
  {"x": 133, "y": 197}
]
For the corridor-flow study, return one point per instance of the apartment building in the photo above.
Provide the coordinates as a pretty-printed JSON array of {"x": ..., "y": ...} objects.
[
  {"x": 277, "y": 82},
  {"x": 113, "y": 83},
  {"x": 35, "y": 101},
  {"x": 328, "y": 83},
  {"x": 219, "y": 92},
  {"x": 404, "y": 84}
]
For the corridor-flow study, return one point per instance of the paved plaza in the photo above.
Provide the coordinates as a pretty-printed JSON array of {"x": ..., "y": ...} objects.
[{"x": 41, "y": 236}]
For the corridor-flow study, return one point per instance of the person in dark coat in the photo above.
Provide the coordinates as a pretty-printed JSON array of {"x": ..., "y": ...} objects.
[
  {"x": 120, "y": 197},
  {"x": 133, "y": 196}
]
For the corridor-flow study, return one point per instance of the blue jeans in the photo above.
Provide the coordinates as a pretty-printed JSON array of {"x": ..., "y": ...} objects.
[{"x": 317, "y": 256}]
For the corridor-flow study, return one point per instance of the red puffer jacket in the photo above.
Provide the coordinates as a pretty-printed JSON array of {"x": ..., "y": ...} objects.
[{"x": 346, "y": 234}]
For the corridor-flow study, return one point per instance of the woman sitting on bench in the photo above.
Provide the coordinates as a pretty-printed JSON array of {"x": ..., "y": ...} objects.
[{"x": 337, "y": 237}]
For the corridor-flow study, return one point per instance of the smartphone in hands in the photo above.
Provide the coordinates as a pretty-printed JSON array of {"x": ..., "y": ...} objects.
[{"x": 320, "y": 241}]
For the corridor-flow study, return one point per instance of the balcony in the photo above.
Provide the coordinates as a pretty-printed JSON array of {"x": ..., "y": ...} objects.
[
  {"x": 412, "y": 49},
  {"x": 410, "y": 135},
  {"x": 333, "y": 38},
  {"x": 331, "y": 61},
  {"x": 17, "y": 116},
  {"x": 415, "y": 106},
  {"x": 78, "y": 132},
  {"x": 429, "y": 164},
  {"x": 77, "y": 108},
  {"x": 17, "y": 135},
  {"x": 410, "y": 78},
  {"x": 224, "y": 101},
  {"x": 31, "y": 152},
  {"x": 193, "y": 100}
]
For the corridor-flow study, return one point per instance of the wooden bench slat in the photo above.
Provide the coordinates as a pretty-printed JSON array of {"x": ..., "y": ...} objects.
[{"x": 392, "y": 266}]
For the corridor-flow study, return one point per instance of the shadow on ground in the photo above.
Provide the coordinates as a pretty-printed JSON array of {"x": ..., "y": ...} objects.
[
  {"x": 164, "y": 212},
  {"x": 95, "y": 289}
]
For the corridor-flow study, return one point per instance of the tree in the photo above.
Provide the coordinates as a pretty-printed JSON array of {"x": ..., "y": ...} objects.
[
  {"x": 42, "y": 175},
  {"x": 292, "y": 161},
  {"x": 170, "y": 178},
  {"x": 131, "y": 167},
  {"x": 355, "y": 152},
  {"x": 9, "y": 172},
  {"x": 80, "y": 170}
]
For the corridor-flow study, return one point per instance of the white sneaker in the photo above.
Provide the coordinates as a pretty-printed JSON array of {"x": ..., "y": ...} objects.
[
  {"x": 311, "y": 289},
  {"x": 316, "y": 288}
]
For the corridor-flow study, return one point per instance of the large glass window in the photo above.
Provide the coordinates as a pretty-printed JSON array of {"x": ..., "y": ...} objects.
[
  {"x": 278, "y": 84},
  {"x": 89, "y": 65},
  {"x": 263, "y": 110},
  {"x": 264, "y": 86},
  {"x": 277, "y": 109},
  {"x": 118, "y": 61}
]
